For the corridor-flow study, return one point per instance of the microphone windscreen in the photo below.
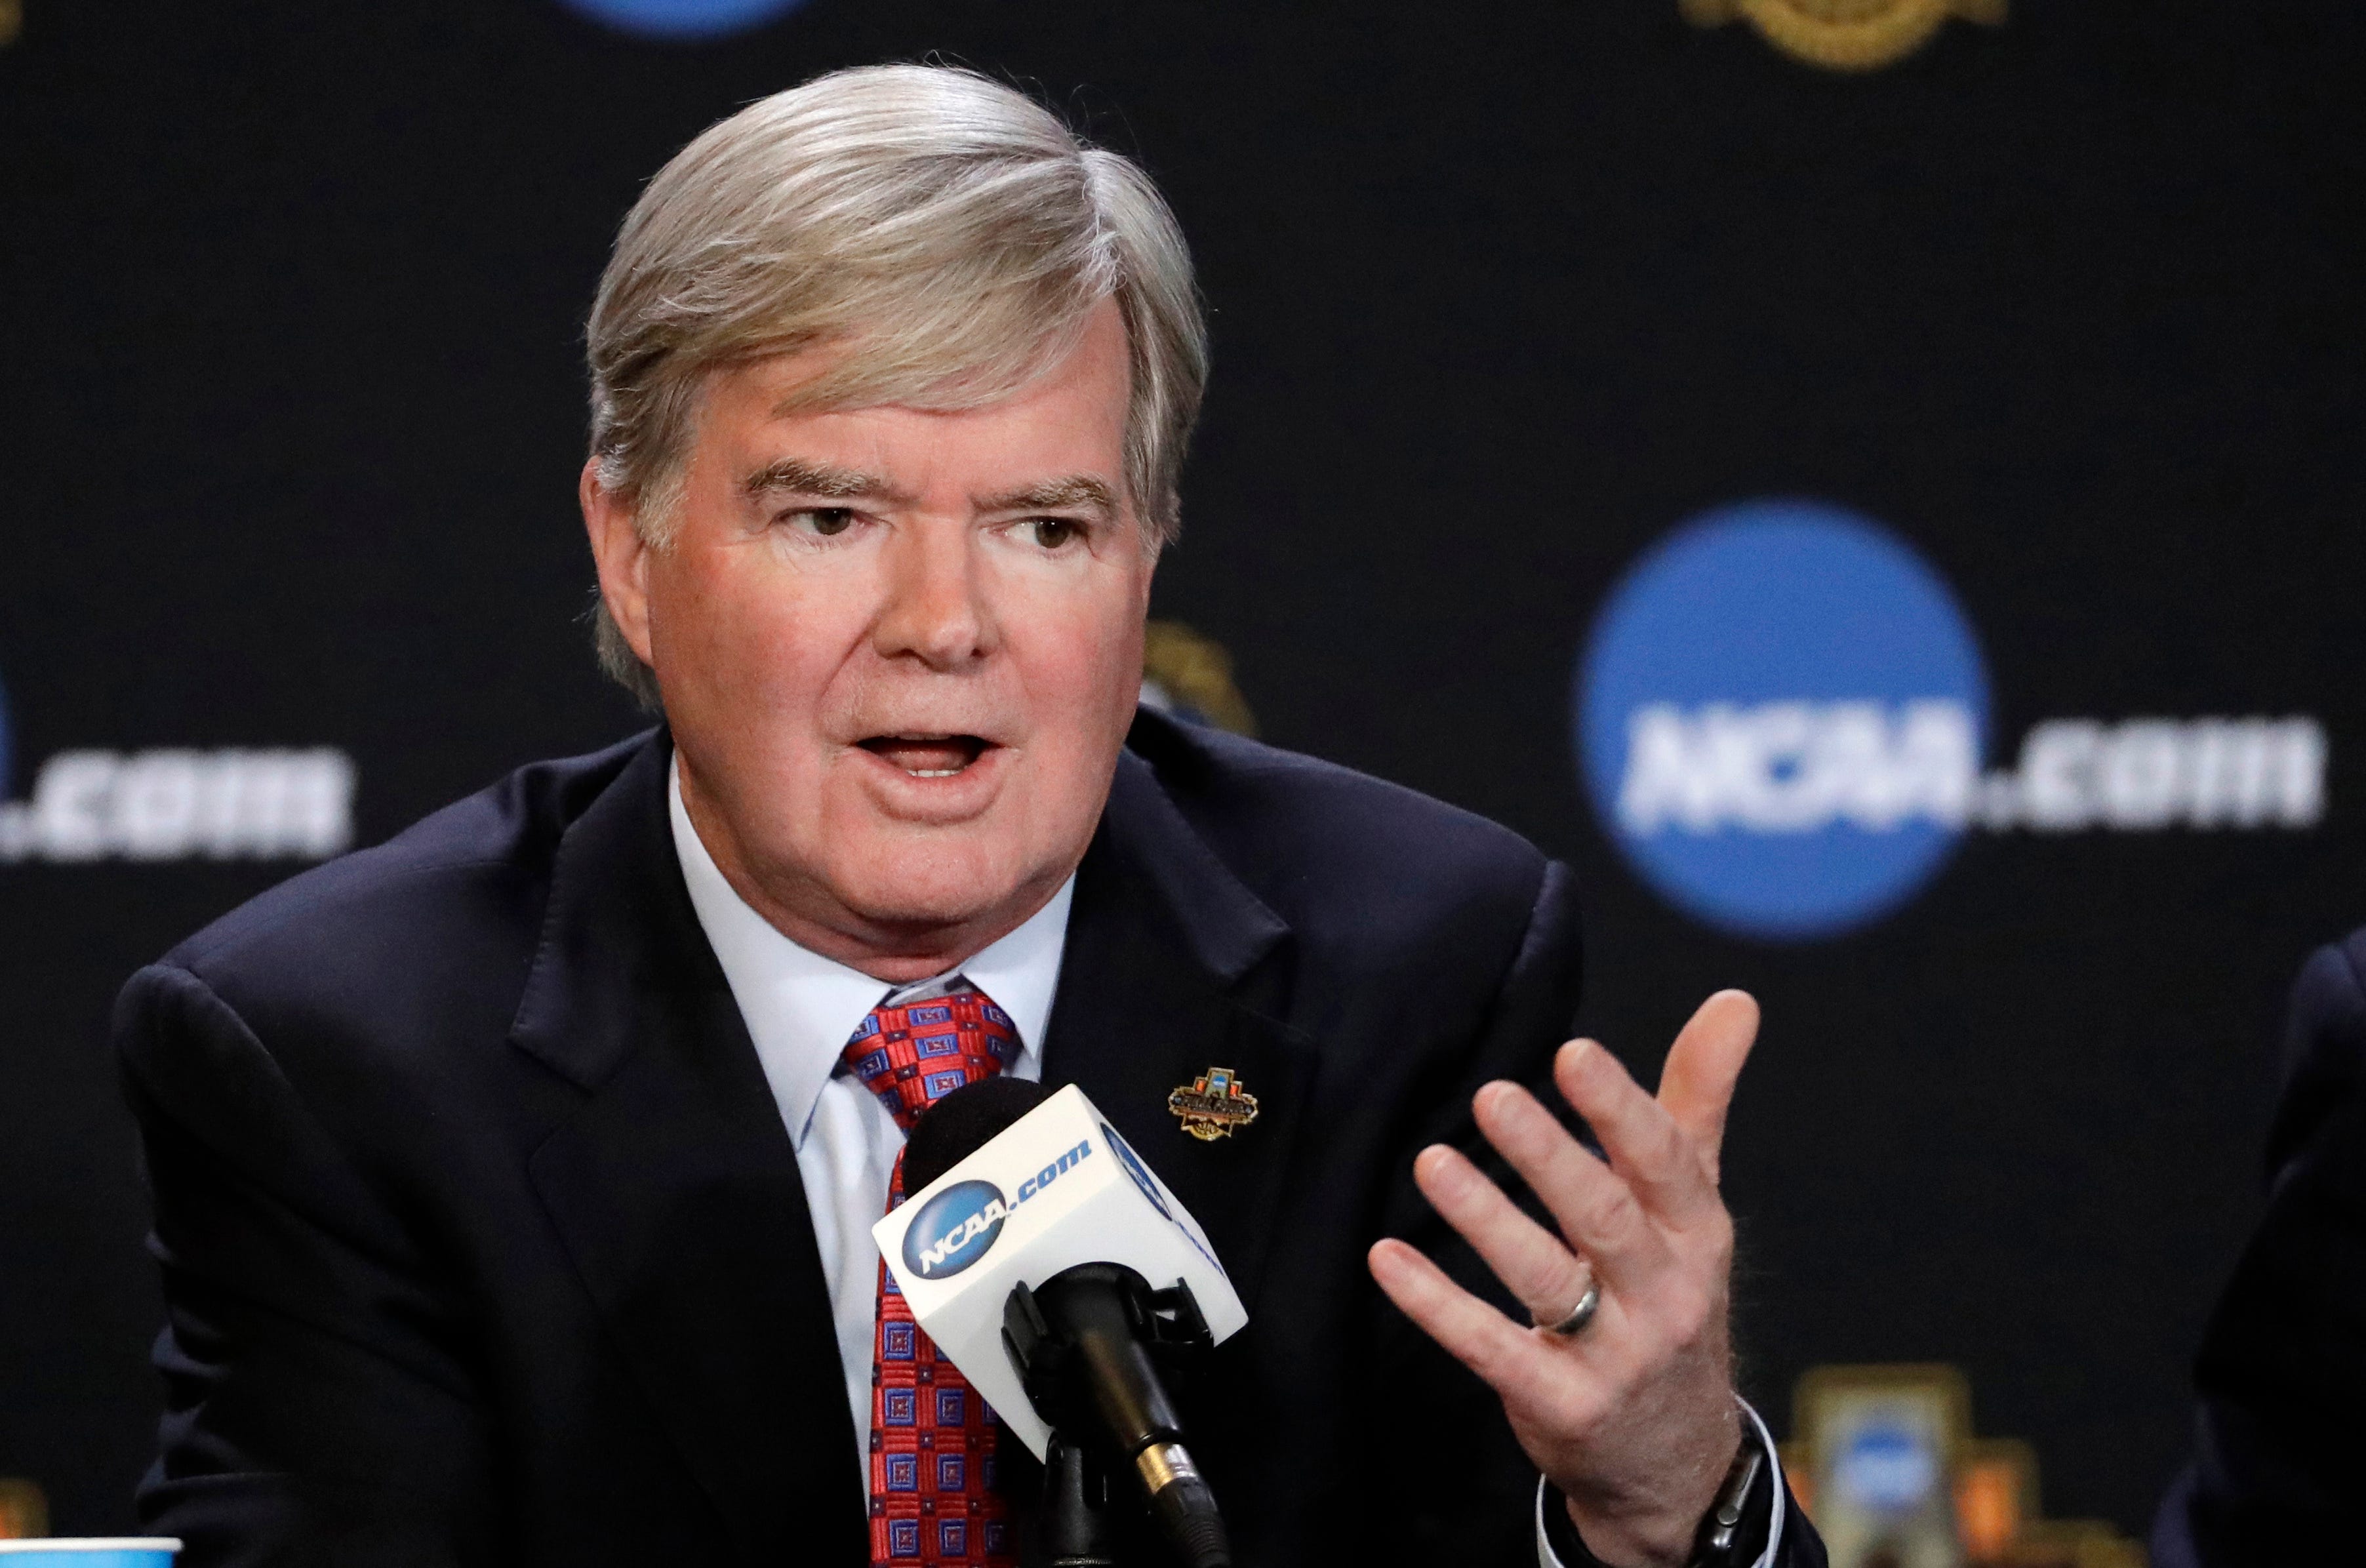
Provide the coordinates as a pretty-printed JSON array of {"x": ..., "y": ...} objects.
[
  {"x": 963, "y": 1122},
  {"x": 1054, "y": 1186}
]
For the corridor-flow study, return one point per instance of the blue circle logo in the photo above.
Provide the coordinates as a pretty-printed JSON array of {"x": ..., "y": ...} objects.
[
  {"x": 1780, "y": 718},
  {"x": 954, "y": 1229},
  {"x": 684, "y": 19}
]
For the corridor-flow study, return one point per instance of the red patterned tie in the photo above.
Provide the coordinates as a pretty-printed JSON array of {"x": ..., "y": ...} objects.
[{"x": 933, "y": 1497}]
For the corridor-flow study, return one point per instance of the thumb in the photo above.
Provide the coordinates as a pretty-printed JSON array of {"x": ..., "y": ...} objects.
[{"x": 1696, "y": 1084}]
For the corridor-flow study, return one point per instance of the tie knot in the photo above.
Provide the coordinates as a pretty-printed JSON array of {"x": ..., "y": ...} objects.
[{"x": 914, "y": 1055}]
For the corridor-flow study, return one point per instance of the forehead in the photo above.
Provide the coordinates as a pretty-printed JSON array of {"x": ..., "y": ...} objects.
[{"x": 1072, "y": 393}]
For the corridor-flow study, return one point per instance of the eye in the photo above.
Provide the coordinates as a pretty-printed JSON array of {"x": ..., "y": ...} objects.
[
  {"x": 828, "y": 521},
  {"x": 1054, "y": 533}
]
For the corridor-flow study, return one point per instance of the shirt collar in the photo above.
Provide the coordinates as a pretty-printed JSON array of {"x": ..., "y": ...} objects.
[{"x": 801, "y": 1008}]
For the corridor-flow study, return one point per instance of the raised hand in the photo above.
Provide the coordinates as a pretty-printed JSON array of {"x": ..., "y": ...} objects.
[{"x": 1631, "y": 1415}]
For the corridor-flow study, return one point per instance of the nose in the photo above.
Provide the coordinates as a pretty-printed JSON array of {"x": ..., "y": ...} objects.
[{"x": 934, "y": 612}]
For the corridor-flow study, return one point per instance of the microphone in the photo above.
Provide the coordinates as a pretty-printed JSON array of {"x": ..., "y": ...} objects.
[
  {"x": 1083, "y": 1345},
  {"x": 1027, "y": 1250}
]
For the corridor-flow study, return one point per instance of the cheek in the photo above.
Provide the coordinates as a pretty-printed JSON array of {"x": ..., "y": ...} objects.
[
  {"x": 1092, "y": 677},
  {"x": 759, "y": 652}
]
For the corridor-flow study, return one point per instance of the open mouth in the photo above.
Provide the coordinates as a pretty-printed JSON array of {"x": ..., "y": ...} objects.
[{"x": 929, "y": 756}]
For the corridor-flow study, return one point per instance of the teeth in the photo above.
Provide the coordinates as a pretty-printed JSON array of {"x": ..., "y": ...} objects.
[{"x": 933, "y": 772}]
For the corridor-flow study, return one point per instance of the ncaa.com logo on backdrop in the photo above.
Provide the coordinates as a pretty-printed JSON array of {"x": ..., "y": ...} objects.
[
  {"x": 176, "y": 804},
  {"x": 1782, "y": 719}
]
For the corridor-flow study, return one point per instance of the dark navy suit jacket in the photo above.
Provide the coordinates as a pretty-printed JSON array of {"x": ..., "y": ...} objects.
[
  {"x": 2280, "y": 1465},
  {"x": 483, "y": 1243}
]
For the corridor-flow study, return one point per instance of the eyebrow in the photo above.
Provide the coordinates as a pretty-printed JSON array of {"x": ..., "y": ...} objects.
[
  {"x": 1049, "y": 495},
  {"x": 798, "y": 477}
]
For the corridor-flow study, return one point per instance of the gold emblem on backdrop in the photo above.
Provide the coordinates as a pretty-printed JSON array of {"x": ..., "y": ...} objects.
[
  {"x": 1844, "y": 35},
  {"x": 12, "y": 20},
  {"x": 1186, "y": 671},
  {"x": 23, "y": 1515},
  {"x": 1884, "y": 1459}
]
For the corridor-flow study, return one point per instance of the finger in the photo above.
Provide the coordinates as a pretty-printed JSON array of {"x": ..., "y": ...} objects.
[
  {"x": 1645, "y": 1146},
  {"x": 1596, "y": 1211},
  {"x": 1696, "y": 1084},
  {"x": 1541, "y": 1274},
  {"x": 1507, "y": 1357}
]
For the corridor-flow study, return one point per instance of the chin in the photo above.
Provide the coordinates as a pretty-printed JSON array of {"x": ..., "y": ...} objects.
[{"x": 930, "y": 888}]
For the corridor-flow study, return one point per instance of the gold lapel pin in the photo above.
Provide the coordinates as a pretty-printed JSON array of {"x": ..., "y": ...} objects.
[{"x": 1212, "y": 1105}]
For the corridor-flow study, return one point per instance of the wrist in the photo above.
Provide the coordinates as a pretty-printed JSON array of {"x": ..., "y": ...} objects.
[
  {"x": 1631, "y": 1540},
  {"x": 1728, "y": 1531}
]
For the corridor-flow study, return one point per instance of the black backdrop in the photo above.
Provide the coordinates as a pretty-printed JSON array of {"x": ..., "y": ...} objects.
[{"x": 290, "y": 415}]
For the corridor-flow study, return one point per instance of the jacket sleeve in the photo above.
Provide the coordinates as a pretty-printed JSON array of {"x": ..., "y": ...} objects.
[
  {"x": 1471, "y": 1501},
  {"x": 320, "y": 1403},
  {"x": 2282, "y": 1373}
]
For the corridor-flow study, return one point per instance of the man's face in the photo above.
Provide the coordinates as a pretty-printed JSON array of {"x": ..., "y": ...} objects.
[{"x": 899, "y": 651}]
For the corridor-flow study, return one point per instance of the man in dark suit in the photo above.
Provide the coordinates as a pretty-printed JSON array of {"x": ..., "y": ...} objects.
[
  {"x": 2279, "y": 1454},
  {"x": 513, "y": 1178}
]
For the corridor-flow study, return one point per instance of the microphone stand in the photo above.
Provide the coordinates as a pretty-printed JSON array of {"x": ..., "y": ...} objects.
[
  {"x": 1089, "y": 1344},
  {"x": 1079, "y": 1526}
]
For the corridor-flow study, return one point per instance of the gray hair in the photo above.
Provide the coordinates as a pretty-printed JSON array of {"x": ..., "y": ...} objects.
[{"x": 949, "y": 229}]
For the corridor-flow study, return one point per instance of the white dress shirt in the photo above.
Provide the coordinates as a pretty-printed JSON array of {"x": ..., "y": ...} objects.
[{"x": 801, "y": 1009}]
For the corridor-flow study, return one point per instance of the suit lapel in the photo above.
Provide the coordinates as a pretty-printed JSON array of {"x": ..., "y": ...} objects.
[
  {"x": 1173, "y": 966},
  {"x": 674, "y": 1186}
]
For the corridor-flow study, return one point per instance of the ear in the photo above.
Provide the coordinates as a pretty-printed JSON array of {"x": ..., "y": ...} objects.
[
  {"x": 621, "y": 556},
  {"x": 1153, "y": 552},
  {"x": 1142, "y": 594}
]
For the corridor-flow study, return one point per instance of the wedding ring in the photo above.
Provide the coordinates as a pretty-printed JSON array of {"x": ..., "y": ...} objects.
[{"x": 1579, "y": 1315}]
